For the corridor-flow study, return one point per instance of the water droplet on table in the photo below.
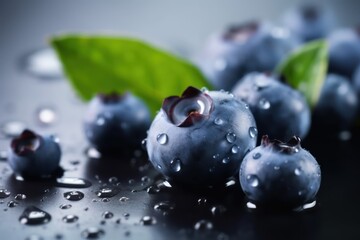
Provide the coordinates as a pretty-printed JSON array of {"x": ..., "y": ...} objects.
[
  {"x": 74, "y": 195},
  {"x": 34, "y": 216},
  {"x": 4, "y": 193},
  {"x": 107, "y": 215},
  {"x": 70, "y": 218},
  {"x": 12, "y": 204},
  {"x": 203, "y": 225},
  {"x": 164, "y": 206},
  {"x": 107, "y": 192},
  {"x": 20, "y": 196},
  {"x": 147, "y": 220},
  {"x": 65, "y": 206},
  {"x": 72, "y": 182},
  {"x": 92, "y": 233}
]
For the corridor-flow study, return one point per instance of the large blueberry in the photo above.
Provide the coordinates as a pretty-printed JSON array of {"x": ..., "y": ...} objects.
[
  {"x": 309, "y": 22},
  {"x": 201, "y": 138},
  {"x": 33, "y": 155},
  {"x": 280, "y": 111},
  {"x": 280, "y": 175},
  {"x": 116, "y": 122},
  {"x": 248, "y": 47},
  {"x": 337, "y": 107},
  {"x": 344, "y": 52}
]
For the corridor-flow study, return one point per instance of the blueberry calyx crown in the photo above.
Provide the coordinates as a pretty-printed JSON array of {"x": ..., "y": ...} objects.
[
  {"x": 292, "y": 146},
  {"x": 242, "y": 32},
  {"x": 193, "y": 106},
  {"x": 112, "y": 97},
  {"x": 26, "y": 142}
]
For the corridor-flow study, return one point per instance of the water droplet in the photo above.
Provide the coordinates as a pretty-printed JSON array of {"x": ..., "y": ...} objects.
[
  {"x": 107, "y": 215},
  {"x": 164, "y": 206},
  {"x": 202, "y": 201},
  {"x": 225, "y": 160},
  {"x": 257, "y": 155},
  {"x": 4, "y": 193},
  {"x": 218, "y": 210},
  {"x": 105, "y": 200},
  {"x": 124, "y": 199},
  {"x": 12, "y": 128},
  {"x": 235, "y": 149},
  {"x": 276, "y": 168},
  {"x": 253, "y": 132},
  {"x": 147, "y": 220},
  {"x": 162, "y": 138},
  {"x": 46, "y": 115},
  {"x": 253, "y": 180},
  {"x": 231, "y": 137},
  {"x": 203, "y": 225},
  {"x": 20, "y": 196},
  {"x": 65, "y": 206},
  {"x": 153, "y": 190},
  {"x": 3, "y": 155},
  {"x": 93, "y": 153},
  {"x": 92, "y": 233},
  {"x": 34, "y": 216},
  {"x": 72, "y": 182},
  {"x": 74, "y": 195},
  {"x": 159, "y": 166},
  {"x": 145, "y": 179},
  {"x": 144, "y": 143},
  {"x": 107, "y": 192},
  {"x": 297, "y": 171},
  {"x": 113, "y": 180},
  {"x": 175, "y": 165},
  {"x": 12, "y": 204},
  {"x": 218, "y": 121},
  {"x": 118, "y": 221},
  {"x": 264, "y": 104},
  {"x": 229, "y": 183},
  {"x": 70, "y": 218},
  {"x": 47, "y": 190},
  {"x": 126, "y": 215},
  {"x": 250, "y": 205}
]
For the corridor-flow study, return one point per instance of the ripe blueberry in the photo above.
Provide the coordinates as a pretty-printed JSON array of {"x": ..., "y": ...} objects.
[
  {"x": 344, "y": 52},
  {"x": 116, "y": 122},
  {"x": 280, "y": 175},
  {"x": 337, "y": 106},
  {"x": 253, "y": 46},
  {"x": 280, "y": 111},
  {"x": 32, "y": 155},
  {"x": 201, "y": 138}
]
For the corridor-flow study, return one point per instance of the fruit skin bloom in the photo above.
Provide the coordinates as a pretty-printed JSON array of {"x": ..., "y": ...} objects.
[
  {"x": 200, "y": 138},
  {"x": 33, "y": 155}
]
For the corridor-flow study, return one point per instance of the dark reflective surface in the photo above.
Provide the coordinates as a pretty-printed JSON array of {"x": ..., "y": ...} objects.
[{"x": 145, "y": 207}]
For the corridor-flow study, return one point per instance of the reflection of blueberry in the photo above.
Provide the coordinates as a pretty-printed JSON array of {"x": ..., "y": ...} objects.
[
  {"x": 32, "y": 155},
  {"x": 280, "y": 111},
  {"x": 200, "y": 138},
  {"x": 344, "y": 52},
  {"x": 308, "y": 22},
  {"x": 280, "y": 175},
  {"x": 116, "y": 122},
  {"x": 337, "y": 105},
  {"x": 244, "y": 48}
]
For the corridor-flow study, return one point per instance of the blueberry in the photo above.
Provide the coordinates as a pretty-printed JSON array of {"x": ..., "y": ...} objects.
[
  {"x": 253, "y": 46},
  {"x": 337, "y": 107},
  {"x": 200, "y": 138},
  {"x": 32, "y": 155},
  {"x": 344, "y": 52},
  {"x": 280, "y": 111},
  {"x": 308, "y": 22},
  {"x": 280, "y": 175},
  {"x": 116, "y": 122}
]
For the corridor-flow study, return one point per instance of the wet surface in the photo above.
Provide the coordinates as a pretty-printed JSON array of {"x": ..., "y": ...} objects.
[{"x": 123, "y": 197}]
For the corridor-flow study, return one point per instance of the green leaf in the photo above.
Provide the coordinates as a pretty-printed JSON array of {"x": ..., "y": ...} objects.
[
  {"x": 103, "y": 64},
  {"x": 305, "y": 69}
]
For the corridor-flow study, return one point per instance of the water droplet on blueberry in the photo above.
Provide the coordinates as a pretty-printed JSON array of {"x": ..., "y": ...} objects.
[
  {"x": 253, "y": 132},
  {"x": 231, "y": 137},
  {"x": 257, "y": 155},
  {"x": 253, "y": 180},
  {"x": 235, "y": 149},
  {"x": 175, "y": 165},
  {"x": 264, "y": 104},
  {"x": 162, "y": 138}
]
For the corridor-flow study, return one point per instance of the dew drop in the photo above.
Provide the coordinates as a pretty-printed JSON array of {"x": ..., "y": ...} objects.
[
  {"x": 218, "y": 210},
  {"x": 225, "y": 160},
  {"x": 70, "y": 218},
  {"x": 175, "y": 165},
  {"x": 74, "y": 195},
  {"x": 92, "y": 233},
  {"x": 164, "y": 206},
  {"x": 203, "y": 225},
  {"x": 107, "y": 192},
  {"x": 107, "y": 215},
  {"x": 231, "y": 137},
  {"x": 147, "y": 220},
  {"x": 12, "y": 204},
  {"x": 144, "y": 143},
  {"x": 253, "y": 180},
  {"x": 4, "y": 193},
  {"x": 65, "y": 206},
  {"x": 12, "y": 128},
  {"x": 20, "y": 196},
  {"x": 253, "y": 132},
  {"x": 126, "y": 215},
  {"x": 113, "y": 180},
  {"x": 162, "y": 138},
  {"x": 105, "y": 200},
  {"x": 124, "y": 199},
  {"x": 235, "y": 149},
  {"x": 297, "y": 171},
  {"x": 250, "y": 205},
  {"x": 46, "y": 115},
  {"x": 72, "y": 182},
  {"x": 34, "y": 216},
  {"x": 257, "y": 155},
  {"x": 264, "y": 104},
  {"x": 218, "y": 121}
]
